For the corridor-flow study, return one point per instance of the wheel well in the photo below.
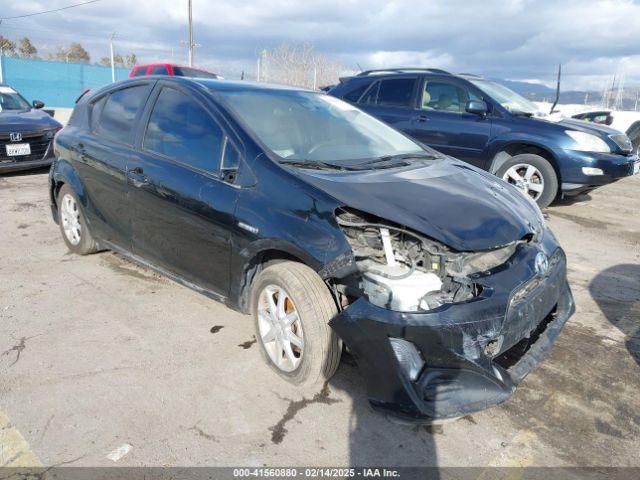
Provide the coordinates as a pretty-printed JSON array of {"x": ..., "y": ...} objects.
[
  {"x": 259, "y": 262},
  {"x": 54, "y": 192},
  {"x": 514, "y": 149}
]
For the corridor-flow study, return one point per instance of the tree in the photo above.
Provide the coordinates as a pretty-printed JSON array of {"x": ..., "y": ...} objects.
[
  {"x": 78, "y": 54},
  {"x": 298, "y": 64},
  {"x": 7, "y": 46},
  {"x": 26, "y": 49},
  {"x": 130, "y": 60}
]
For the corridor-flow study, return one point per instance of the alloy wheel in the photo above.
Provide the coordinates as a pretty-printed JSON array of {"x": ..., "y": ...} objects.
[
  {"x": 70, "y": 217},
  {"x": 280, "y": 328},
  {"x": 527, "y": 178}
]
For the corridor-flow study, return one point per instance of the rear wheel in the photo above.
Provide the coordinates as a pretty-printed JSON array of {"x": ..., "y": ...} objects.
[
  {"x": 532, "y": 174},
  {"x": 292, "y": 308},
  {"x": 73, "y": 223}
]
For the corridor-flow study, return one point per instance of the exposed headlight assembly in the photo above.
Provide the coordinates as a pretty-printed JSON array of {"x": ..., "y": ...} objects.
[
  {"x": 470, "y": 263},
  {"x": 586, "y": 142}
]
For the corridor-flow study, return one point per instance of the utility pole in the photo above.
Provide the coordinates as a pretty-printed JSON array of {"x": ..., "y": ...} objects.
[
  {"x": 190, "y": 36},
  {"x": 113, "y": 67}
]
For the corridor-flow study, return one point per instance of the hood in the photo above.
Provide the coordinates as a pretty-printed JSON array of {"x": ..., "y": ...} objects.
[
  {"x": 449, "y": 201},
  {"x": 26, "y": 121},
  {"x": 574, "y": 124}
]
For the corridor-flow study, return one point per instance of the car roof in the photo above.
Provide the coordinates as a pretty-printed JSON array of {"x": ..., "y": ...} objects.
[
  {"x": 210, "y": 84},
  {"x": 402, "y": 71}
]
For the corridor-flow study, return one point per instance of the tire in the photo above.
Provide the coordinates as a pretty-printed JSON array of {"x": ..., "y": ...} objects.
[
  {"x": 544, "y": 175},
  {"x": 306, "y": 295},
  {"x": 75, "y": 233}
]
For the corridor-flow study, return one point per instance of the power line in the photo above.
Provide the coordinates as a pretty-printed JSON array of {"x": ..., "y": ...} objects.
[{"x": 49, "y": 11}]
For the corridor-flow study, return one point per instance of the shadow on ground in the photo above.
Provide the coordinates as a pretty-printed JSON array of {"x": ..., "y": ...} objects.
[
  {"x": 616, "y": 290},
  {"x": 374, "y": 439}
]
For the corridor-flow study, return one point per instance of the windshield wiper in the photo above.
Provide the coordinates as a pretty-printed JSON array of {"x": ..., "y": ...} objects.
[
  {"x": 315, "y": 164},
  {"x": 389, "y": 161},
  {"x": 521, "y": 113}
]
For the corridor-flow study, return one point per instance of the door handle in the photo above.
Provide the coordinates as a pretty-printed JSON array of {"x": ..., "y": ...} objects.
[
  {"x": 421, "y": 118},
  {"x": 137, "y": 177}
]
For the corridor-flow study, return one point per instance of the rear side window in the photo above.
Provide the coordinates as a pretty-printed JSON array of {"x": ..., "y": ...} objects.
[
  {"x": 392, "y": 92},
  {"x": 159, "y": 70},
  {"x": 355, "y": 94},
  {"x": 119, "y": 113},
  {"x": 181, "y": 129},
  {"x": 96, "y": 110},
  {"x": 192, "y": 72},
  {"x": 140, "y": 72}
]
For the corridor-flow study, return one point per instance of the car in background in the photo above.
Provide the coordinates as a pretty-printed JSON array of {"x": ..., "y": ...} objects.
[
  {"x": 171, "y": 70},
  {"x": 26, "y": 132},
  {"x": 624, "y": 121},
  {"x": 326, "y": 225},
  {"x": 490, "y": 126}
]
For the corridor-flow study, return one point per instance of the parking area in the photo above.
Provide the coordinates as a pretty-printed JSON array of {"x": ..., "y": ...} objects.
[{"x": 106, "y": 363}]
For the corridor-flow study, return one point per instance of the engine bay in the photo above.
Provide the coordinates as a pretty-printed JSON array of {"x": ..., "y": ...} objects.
[{"x": 399, "y": 269}]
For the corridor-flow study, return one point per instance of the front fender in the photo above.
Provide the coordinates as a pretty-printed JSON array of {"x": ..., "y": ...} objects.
[{"x": 502, "y": 143}]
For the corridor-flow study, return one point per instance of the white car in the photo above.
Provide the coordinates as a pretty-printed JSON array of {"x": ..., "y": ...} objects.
[{"x": 625, "y": 121}]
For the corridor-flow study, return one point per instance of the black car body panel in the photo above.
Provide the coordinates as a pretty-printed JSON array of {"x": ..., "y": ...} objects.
[
  {"x": 213, "y": 231},
  {"x": 28, "y": 125},
  {"x": 473, "y": 221}
]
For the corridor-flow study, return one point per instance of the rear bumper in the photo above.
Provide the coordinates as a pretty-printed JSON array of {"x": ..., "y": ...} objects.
[{"x": 460, "y": 376}]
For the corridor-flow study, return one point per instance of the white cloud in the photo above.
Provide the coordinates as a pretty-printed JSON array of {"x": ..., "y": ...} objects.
[{"x": 516, "y": 39}]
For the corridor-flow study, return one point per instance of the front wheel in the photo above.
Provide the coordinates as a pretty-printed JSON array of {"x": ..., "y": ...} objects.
[
  {"x": 292, "y": 308},
  {"x": 532, "y": 174}
]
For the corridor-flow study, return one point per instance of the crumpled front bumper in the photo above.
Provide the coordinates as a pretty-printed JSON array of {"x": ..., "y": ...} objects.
[{"x": 519, "y": 310}]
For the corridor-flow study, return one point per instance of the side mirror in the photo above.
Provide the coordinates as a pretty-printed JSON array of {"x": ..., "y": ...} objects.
[
  {"x": 477, "y": 107},
  {"x": 37, "y": 104}
]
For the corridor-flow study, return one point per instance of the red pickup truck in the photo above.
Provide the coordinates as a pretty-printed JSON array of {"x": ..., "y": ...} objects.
[{"x": 171, "y": 70}]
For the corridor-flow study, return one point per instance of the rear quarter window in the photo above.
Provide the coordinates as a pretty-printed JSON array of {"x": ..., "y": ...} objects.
[
  {"x": 140, "y": 72},
  {"x": 118, "y": 114},
  {"x": 354, "y": 94}
]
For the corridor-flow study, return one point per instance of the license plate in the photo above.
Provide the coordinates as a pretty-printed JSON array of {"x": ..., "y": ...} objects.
[
  {"x": 18, "y": 149},
  {"x": 636, "y": 167}
]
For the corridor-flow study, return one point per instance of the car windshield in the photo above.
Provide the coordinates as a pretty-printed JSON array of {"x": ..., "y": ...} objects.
[
  {"x": 11, "y": 100},
  {"x": 313, "y": 127},
  {"x": 507, "y": 98}
]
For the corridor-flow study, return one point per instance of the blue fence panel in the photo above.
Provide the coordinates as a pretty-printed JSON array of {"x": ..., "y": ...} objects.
[{"x": 57, "y": 84}]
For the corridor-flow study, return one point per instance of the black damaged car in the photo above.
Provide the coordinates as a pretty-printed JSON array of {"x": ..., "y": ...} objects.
[
  {"x": 26, "y": 132},
  {"x": 328, "y": 226}
]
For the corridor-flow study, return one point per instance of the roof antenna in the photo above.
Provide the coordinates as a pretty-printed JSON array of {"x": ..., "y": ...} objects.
[
  {"x": 358, "y": 65},
  {"x": 557, "y": 89}
]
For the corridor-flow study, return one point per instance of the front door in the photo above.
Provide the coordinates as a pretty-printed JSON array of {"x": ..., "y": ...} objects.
[
  {"x": 440, "y": 121},
  {"x": 184, "y": 209}
]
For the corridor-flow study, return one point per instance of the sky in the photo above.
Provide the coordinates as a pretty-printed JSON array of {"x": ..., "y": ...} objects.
[{"x": 506, "y": 39}]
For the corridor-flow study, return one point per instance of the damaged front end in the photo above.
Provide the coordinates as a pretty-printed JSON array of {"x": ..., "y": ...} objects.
[{"x": 438, "y": 333}]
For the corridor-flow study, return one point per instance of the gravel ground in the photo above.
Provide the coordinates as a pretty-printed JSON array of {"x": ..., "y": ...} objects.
[{"x": 105, "y": 363}]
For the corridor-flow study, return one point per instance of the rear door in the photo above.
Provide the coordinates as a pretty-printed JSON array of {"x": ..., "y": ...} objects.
[
  {"x": 391, "y": 100},
  {"x": 102, "y": 152},
  {"x": 440, "y": 120},
  {"x": 184, "y": 205}
]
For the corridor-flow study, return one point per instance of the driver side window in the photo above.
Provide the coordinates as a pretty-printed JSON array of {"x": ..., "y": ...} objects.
[{"x": 445, "y": 97}]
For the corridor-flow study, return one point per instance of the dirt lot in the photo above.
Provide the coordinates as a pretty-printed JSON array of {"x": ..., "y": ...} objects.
[{"x": 100, "y": 358}]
